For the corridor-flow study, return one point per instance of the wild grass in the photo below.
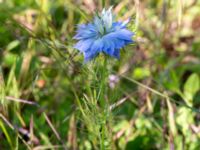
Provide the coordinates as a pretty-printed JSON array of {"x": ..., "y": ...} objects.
[{"x": 50, "y": 99}]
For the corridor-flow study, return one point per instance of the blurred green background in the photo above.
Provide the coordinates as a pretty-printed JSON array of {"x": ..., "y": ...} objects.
[{"x": 49, "y": 98}]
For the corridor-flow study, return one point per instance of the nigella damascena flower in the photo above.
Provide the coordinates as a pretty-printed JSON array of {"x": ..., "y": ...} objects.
[{"x": 104, "y": 34}]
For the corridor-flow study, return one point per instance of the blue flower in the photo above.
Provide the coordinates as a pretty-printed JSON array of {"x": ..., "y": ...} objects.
[{"x": 104, "y": 34}]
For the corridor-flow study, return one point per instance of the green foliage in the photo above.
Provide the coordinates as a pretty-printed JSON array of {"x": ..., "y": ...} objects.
[
  {"x": 149, "y": 99},
  {"x": 191, "y": 87}
]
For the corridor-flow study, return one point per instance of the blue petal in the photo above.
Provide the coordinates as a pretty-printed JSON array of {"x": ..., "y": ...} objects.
[
  {"x": 97, "y": 45},
  {"x": 116, "y": 53},
  {"x": 85, "y": 31},
  {"x": 122, "y": 34},
  {"x": 81, "y": 26},
  {"x": 120, "y": 25},
  {"x": 128, "y": 41},
  {"x": 109, "y": 47},
  {"x": 113, "y": 52},
  {"x": 106, "y": 43},
  {"x": 119, "y": 43},
  {"x": 84, "y": 45},
  {"x": 89, "y": 55},
  {"x": 115, "y": 39},
  {"x": 94, "y": 50},
  {"x": 84, "y": 35}
]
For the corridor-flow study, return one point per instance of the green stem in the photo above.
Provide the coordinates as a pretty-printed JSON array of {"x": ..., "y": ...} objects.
[
  {"x": 102, "y": 92},
  {"x": 103, "y": 137},
  {"x": 103, "y": 3},
  {"x": 103, "y": 78}
]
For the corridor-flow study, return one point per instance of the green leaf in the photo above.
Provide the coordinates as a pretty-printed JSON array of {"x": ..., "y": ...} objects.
[
  {"x": 171, "y": 121},
  {"x": 190, "y": 88},
  {"x": 4, "y": 130},
  {"x": 173, "y": 82},
  {"x": 141, "y": 73},
  {"x": 12, "y": 45},
  {"x": 10, "y": 59},
  {"x": 184, "y": 118},
  {"x": 2, "y": 88}
]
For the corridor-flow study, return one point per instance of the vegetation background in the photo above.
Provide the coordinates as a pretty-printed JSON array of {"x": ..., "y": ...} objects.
[{"x": 149, "y": 99}]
